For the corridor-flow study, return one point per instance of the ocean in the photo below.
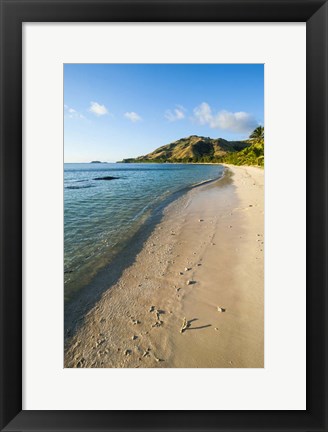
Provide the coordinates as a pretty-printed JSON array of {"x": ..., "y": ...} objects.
[{"x": 101, "y": 216}]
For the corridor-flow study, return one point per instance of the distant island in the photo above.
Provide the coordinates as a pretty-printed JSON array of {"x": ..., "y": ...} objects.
[
  {"x": 199, "y": 149},
  {"x": 98, "y": 162}
]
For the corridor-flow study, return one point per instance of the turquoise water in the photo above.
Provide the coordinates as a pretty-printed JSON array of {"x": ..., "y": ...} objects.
[{"x": 102, "y": 215}]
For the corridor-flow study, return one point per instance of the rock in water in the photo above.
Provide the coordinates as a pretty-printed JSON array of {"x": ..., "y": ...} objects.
[{"x": 106, "y": 178}]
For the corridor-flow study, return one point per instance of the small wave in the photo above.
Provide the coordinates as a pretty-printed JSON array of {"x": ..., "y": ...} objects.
[
  {"x": 204, "y": 181},
  {"x": 155, "y": 168},
  {"x": 208, "y": 180},
  {"x": 79, "y": 187}
]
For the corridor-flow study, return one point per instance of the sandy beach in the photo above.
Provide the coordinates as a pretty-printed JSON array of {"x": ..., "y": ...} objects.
[{"x": 189, "y": 290}]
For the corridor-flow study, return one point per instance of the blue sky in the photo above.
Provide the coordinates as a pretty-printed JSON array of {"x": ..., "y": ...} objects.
[{"x": 113, "y": 112}]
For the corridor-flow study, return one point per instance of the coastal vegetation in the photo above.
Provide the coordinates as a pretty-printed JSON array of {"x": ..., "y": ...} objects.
[
  {"x": 198, "y": 149},
  {"x": 251, "y": 155}
]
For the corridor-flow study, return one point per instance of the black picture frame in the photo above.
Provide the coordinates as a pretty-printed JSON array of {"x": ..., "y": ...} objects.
[{"x": 16, "y": 12}]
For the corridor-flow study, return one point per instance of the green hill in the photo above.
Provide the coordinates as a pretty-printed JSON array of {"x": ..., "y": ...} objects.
[
  {"x": 192, "y": 149},
  {"x": 198, "y": 149}
]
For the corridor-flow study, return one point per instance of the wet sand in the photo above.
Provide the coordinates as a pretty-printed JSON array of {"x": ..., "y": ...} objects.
[{"x": 188, "y": 293}]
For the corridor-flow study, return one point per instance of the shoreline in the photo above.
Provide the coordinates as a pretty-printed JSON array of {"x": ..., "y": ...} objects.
[
  {"x": 148, "y": 216},
  {"x": 212, "y": 236},
  {"x": 79, "y": 301}
]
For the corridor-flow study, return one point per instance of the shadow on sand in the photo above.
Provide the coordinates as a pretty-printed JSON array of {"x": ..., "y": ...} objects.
[{"x": 196, "y": 328}]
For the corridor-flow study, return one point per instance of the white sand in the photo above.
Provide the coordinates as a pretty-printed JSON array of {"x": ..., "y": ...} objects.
[{"x": 216, "y": 232}]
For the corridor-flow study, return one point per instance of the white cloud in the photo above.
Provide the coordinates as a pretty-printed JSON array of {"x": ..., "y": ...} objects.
[
  {"x": 177, "y": 113},
  {"x": 239, "y": 122},
  {"x": 203, "y": 114},
  {"x": 133, "y": 116},
  {"x": 72, "y": 113},
  {"x": 98, "y": 109}
]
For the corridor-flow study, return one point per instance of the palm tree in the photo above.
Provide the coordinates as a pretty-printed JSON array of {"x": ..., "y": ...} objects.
[{"x": 257, "y": 134}]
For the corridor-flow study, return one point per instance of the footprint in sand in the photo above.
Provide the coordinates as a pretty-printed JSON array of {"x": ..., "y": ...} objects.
[
  {"x": 146, "y": 353},
  {"x": 158, "y": 359},
  {"x": 158, "y": 324}
]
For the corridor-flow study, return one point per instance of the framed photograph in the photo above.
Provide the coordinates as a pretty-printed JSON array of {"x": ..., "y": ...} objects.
[
  {"x": 163, "y": 230},
  {"x": 156, "y": 237}
]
